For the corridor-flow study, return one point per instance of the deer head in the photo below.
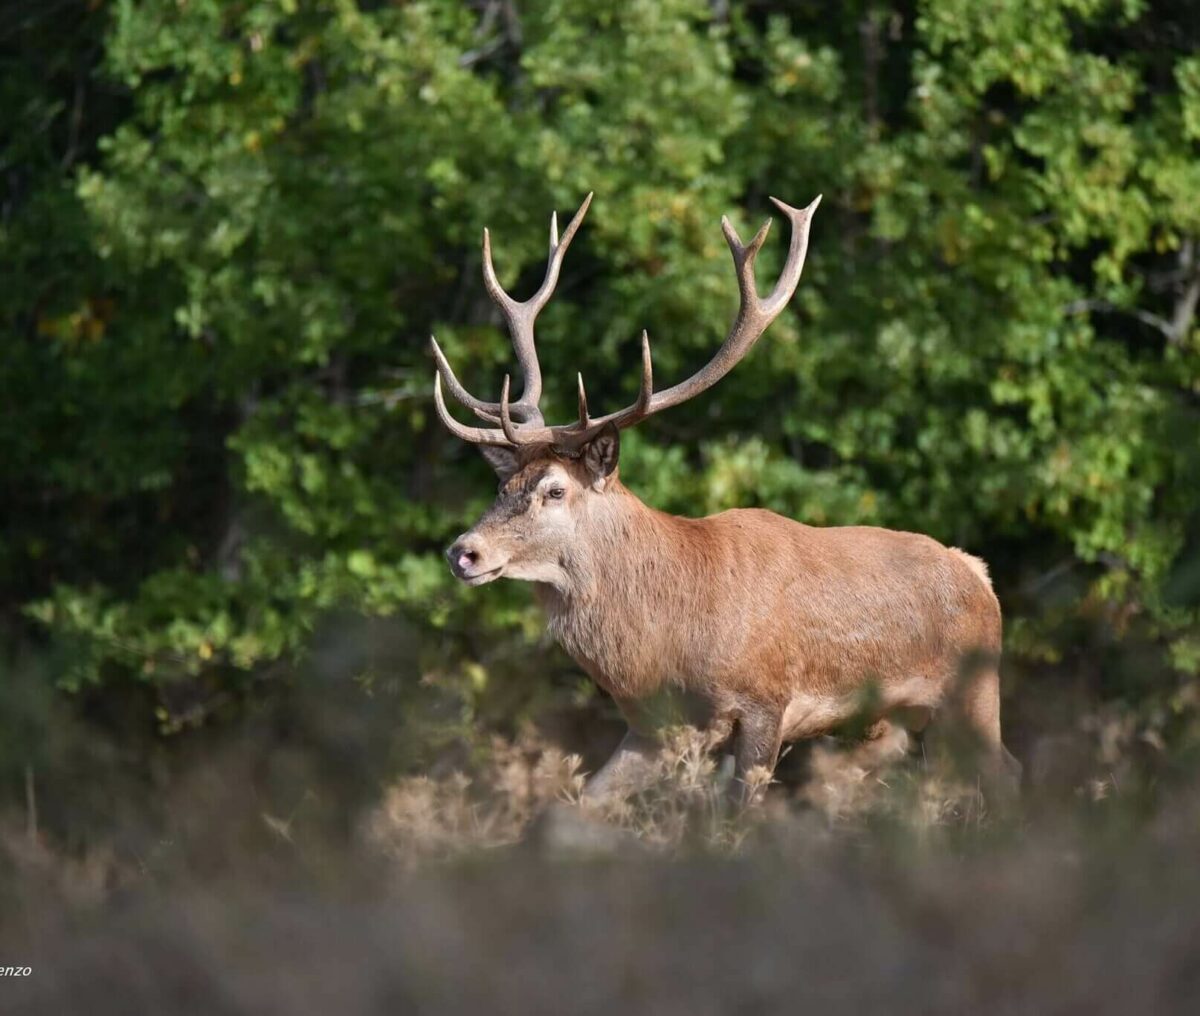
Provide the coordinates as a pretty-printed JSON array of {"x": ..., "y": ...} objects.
[{"x": 555, "y": 479}]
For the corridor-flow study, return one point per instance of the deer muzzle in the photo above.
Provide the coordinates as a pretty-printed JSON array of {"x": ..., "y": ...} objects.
[{"x": 469, "y": 561}]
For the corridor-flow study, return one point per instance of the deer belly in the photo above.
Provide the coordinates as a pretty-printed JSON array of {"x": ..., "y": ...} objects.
[
  {"x": 808, "y": 715},
  {"x": 911, "y": 701}
]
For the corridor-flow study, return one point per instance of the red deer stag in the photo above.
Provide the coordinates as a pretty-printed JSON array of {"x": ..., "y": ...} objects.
[{"x": 773, "y": 629}]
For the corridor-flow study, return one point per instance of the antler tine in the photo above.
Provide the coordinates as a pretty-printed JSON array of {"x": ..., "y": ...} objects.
[
  {"x": 484, "y": 410},
  {"x": 744, "y": 256},
  {"x": 511, "y": 434},
  {"x": 646, "y": 392},
  {"x": 584, "y": 419},
  {"x": 789, "y": 278}
]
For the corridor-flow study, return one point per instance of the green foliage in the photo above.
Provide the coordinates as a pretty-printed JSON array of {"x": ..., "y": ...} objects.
[{"x": 218, "y": 293}]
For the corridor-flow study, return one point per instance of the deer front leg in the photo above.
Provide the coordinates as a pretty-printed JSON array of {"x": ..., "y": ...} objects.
[
  {"x": 630, "y": 769},
  {"x": 759, "y": 733}
]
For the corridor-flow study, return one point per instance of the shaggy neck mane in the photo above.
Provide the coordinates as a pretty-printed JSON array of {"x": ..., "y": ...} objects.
[
  {"x": 599, "y": 564},
  {"x": 630, "y": 567}
]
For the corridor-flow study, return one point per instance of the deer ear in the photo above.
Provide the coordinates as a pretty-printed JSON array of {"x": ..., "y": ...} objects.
[
  {"x": 506, "y": 461},
  {"x": 600, "y": 455}
]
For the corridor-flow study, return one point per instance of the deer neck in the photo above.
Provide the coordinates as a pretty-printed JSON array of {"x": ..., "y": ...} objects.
[
  {"x": 605, "y": 563},
  {"x": 628, "y": 564}
]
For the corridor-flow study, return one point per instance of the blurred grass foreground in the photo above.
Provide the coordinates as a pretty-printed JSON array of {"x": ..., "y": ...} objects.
[{"x": 258, "y": 753}]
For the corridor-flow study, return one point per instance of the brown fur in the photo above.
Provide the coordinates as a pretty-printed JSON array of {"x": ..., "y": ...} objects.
[{"x": 779, "y": 629}]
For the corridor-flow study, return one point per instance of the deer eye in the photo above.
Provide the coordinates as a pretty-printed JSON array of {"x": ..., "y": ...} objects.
[{"x": 555, "y": 493}]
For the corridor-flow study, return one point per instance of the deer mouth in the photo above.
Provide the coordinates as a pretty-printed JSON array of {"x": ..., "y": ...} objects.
[
  {"x": 482, "y": 578},
  {"x": 466, "y": 562}
]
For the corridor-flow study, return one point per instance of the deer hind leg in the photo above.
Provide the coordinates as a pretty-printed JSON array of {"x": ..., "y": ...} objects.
[
  {"x": 969, "y": 723},
  {"x": 756, "y": 744},
  {"x": 631, "y": 768}
]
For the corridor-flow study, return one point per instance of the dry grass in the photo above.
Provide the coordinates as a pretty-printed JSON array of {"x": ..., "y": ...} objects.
[
  {"x": 532, "y": 791},
  {"x": 859, "y": 884},
  {"x": 422, "y": 819}
]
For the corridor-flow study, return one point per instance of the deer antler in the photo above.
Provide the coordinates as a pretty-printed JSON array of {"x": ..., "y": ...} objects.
[
  {"x": 754, "y": 315},
  {"x": 521, "y": 318}
]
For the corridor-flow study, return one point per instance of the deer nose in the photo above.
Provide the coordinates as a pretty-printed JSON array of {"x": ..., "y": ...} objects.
[{"x": 461, "y": 557}]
